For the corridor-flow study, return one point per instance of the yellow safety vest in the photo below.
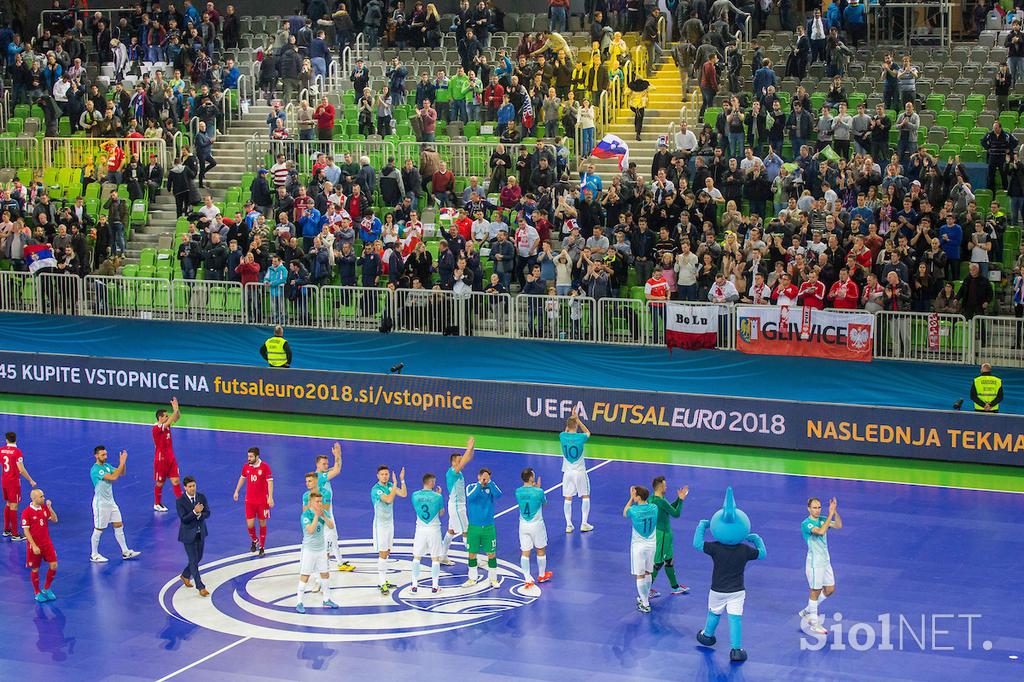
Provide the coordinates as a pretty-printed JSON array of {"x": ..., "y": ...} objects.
[
  {"x": 987, "y": 387},
  {"x": 275, "y": 351}
]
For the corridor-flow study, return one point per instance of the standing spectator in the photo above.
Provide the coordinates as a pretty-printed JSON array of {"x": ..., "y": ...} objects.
[
  {"x": 204, "y": 152},
  {"x": 907, "y": 81},
  {"x": 908, "y": 124},
  {"x": 1002, "y": 87},
  {"x": 708, "y": 82},
  {"x": 1015, "y": 51},
  {"x": 558, "y": 16},
  {"x": 897, "y": 299},
  {"x": 324, "y": 116},
  {"x": 428, "y": 121},
  {"x": 998, "y": 143},
  {"x": 975, "y": 294}
]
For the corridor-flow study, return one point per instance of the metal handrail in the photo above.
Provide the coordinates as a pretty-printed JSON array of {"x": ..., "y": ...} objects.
[{"x": 663, "y": 37}]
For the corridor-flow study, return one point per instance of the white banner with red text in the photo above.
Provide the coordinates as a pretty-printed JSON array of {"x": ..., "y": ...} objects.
[
  {"x": 782, "y": 330},
  {"x": 692, "y": 327}
]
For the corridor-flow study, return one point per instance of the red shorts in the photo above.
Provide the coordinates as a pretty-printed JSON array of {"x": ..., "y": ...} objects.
[
  {"x": 12, "y": 489},
  {"x": 46, "y": 553},
  {"x": 257, "y": 510},
  {"x": 165, "y": 468}
]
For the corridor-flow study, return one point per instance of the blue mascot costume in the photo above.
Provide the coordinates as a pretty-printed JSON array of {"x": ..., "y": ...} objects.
[{"x": 730, "y": 552}]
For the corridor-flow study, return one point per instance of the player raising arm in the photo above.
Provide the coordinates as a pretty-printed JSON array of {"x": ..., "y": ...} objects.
[
  {"x": 820, "y": 578},
  {"x": 12, "y": 468},
  {"x": 428, "y": 505},
  {"x": 35, "y": 522},
  {"x": 382, "y": 495},
  {"x": 105, "y": 511},
  {"x": 165, "y": 466},
  {"x": 532, "y": 532},
  {"x": 664, "y": 553},
  {"x": 259, "y": 496},
  {"x": 644, "y": 517},
  {"x": 324, "y": 477},
  {"x": 575, "y": 480},
  {"x": 458, "y": 523}
]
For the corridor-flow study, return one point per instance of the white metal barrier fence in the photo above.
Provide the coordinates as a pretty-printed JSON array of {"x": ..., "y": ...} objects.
[
  {"x": 290, "y": 304},
  {"x": 555, "y": 318},
  {"x": 353, "y": 308},
  {"x": 261, "y": 150},
  {"x": 932, "y": 337},
  {"x": 998, "y": 340}
]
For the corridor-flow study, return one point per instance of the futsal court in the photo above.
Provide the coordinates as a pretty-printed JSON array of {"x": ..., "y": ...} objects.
[{"x": 905, "y": 550}]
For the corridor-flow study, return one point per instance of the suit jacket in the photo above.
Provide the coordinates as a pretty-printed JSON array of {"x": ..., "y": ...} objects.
[{"x": 189, "y": 521}]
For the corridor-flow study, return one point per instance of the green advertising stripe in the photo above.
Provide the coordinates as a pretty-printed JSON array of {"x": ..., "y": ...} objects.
[{"x": 782, "y": 462}]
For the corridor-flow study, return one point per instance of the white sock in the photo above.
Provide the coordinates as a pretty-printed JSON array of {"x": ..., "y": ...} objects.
[
  {"x": 542, "y": 564},
  {"x": 567, "y": 507},
  {"x": 415, "y": 572},
  {"x": 474, "y": 573},
  {"x": 812, "y": 612},
  {"x": 648, "y": 584},
  {"x": 119, "y": 534},
  {"x": 435, "y": 573},
  {"x": 325, "y": 585},
  {"x": 492, "y": 574},
  {"x": 298, "y": 594},
  {"x": 586, "y": 510},
  {"x": 821, "y": 598},
  {"x": 524, "y": 563},
  {"x": 381, "y": 571},
  {"x": 96, "y": 535},
  {"x": 641, "y": 589},
  {"x": 446, "y": 542}
]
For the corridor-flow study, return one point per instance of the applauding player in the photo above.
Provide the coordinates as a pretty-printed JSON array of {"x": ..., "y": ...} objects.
[
  {"x": 165, "y": 466},
  {"x": 382, "y": 495},
  {"x": 429, "y": 505},
  {"x": 664, "y": 553},
  {"x": 532, "y": 532},
  {"x": 105, "y": 511},
  {"x": 313, "y": 558},
  {"x": 818, "y": 567},
  {"x": 35, "y": 522},
  {"x": 12, "y": 468},
  {"x": 259, "y": 497}
]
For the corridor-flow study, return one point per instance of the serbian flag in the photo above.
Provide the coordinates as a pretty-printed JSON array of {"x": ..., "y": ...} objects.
[
  {"x": 613, "y": 147},
  {"x": 526, "y": 113},
  {"x": 691, "y": 327},
  {"x": 39, "y": 256}
]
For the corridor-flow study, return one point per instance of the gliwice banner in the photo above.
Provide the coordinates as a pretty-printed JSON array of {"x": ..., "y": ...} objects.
[
  {"x": 691, "y": 327},
  {"x": 778, "y": 330}
]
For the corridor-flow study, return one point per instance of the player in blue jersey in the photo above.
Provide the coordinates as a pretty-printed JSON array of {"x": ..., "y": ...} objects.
[
  {"x": 428, "y": 505},
  {"x": 644, "y": 517},
  {"x": 105, "y": 511},
  {"x": 382, "y": 495},
  {"x": 458, "y": 523},
  {"x": 532, "y": 533},
  {"x": 480, "y": 536},
  {"x": 313, "y": 557},
  {"x": 575, "y": 480},
  {"x": 818, "y": 567},
  {"x": 325, "y": 474}
]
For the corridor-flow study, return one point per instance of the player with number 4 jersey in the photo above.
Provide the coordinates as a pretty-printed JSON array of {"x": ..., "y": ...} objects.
[
  {"x": 575, "y": 480},
  {"x": 532, "y": 533},
  {"x": 428, "y": 505}
]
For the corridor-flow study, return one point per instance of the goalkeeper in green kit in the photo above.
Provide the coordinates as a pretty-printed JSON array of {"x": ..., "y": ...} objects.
[{"x": 663, "y": 553}]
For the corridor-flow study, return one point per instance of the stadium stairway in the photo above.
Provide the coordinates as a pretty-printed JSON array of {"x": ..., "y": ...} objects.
[{"x": 664, "y": 103}]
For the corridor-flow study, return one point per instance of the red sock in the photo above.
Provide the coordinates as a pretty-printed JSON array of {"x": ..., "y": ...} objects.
[
  {"x": 263, "y": 536},
  {"x": 252, "y": 533},
  {"x": 177, "y": 489},
  {"x": 158, "y": 492},
  {"x": 8, "y": 526},
  {"x": 35, "y": 581},
  {"x": 50, "y": 573}
]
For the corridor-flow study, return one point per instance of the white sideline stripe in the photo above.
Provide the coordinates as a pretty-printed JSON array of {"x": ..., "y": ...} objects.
[
  {"x": 218, "y": 652},
  {"x": 551, "y": 454},
  {"x": 554, "y": 487}
]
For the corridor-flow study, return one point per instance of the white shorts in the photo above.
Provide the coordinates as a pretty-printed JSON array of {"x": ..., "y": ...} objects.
[
  {"x": 383, "y": 536},
  {"x": 730, "y": 602},
  {"x": 458, "y": 521},
  {"x": 575, "y": 483},
  {"x": 312, "y": 562},
  {"x": 819, "y": 575},
  {"x": 331, "y": 534},
  {"x": 105, "y": 514},
  {"x": 641, "y": 557},
  {"x": 427, "y": 541},
  {"x": 532, "y": 535}
]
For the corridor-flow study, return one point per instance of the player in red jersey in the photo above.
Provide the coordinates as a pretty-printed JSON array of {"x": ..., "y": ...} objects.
[
  {"x": 35, "y": 521},
  {"x": 259, "y": 497},
  {"x": 165, "y": 466},
  {"x": 12, "y": 468}
]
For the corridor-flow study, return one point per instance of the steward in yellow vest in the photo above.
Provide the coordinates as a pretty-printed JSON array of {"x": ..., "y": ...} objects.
[
  {"x": 987, "y": 390},
  {"x": 276, "y": 350}
]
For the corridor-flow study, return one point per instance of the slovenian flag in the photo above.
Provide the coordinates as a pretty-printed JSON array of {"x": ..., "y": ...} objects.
[
  {"x": 613, "y": 147},
  {"x": 39, "y": 256}
]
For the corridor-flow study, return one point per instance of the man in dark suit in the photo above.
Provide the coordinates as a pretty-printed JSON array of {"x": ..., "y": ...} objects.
[
  {"x": 193, "y": 512},
  {"x": 153, "y": 176}
]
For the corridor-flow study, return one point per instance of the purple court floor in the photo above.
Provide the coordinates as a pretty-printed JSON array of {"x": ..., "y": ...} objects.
[{"x": 940, "y": 565}]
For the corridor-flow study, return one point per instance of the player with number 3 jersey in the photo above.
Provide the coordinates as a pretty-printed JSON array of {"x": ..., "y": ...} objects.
[
  {"x": 12, "y": 468},
  {"x": 428, "y": 505}
]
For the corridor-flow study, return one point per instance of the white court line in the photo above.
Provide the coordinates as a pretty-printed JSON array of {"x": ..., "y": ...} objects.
[
  {"x": 243, "y": 640},
  {"x": 552, "y": 454},
  {"x": 554, "y": 487}
]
